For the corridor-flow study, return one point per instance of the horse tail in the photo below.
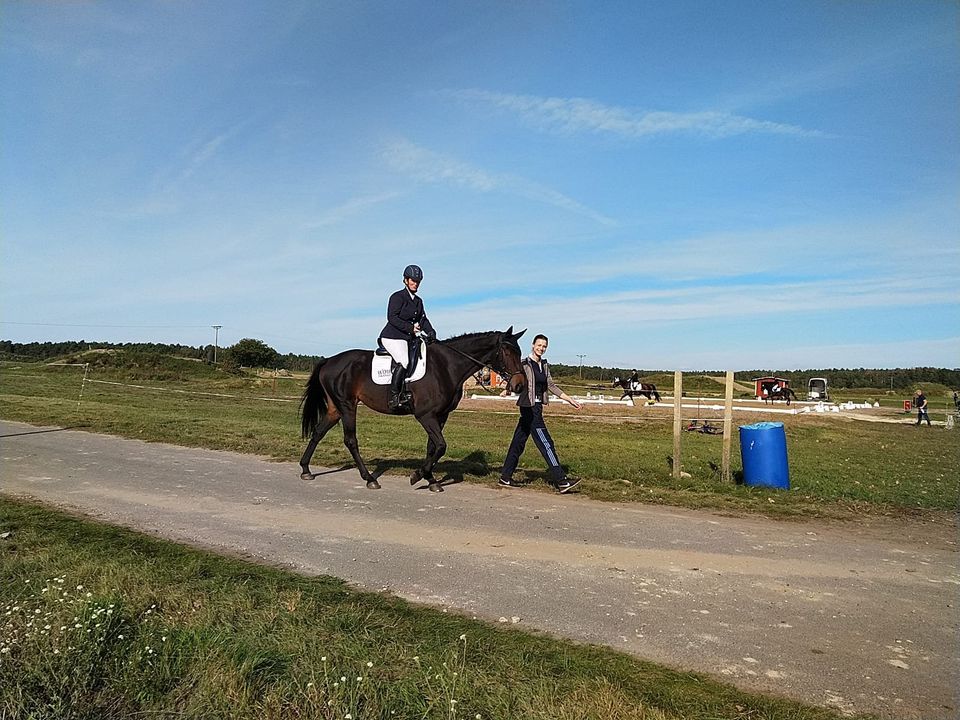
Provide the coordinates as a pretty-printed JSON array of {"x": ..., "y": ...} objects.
[
  {"x": 655, "y": 393},
  {"x": 314, "y": 401}
]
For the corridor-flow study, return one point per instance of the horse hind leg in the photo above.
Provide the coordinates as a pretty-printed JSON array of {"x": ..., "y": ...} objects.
[{"x": 327, "y": 422}]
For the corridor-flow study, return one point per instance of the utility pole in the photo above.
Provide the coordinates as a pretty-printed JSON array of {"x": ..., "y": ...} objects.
[
  {"x": 216, "y": 341},
  {"x": 581, "y": 365}
]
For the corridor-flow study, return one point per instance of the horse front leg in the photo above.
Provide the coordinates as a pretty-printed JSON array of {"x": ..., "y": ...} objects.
[
  {"x": 350, "y": 440},
  {"x": 327, "y": 422},
  {"x": 419, "y": 474},
  {"x": 436, "y": 448}
]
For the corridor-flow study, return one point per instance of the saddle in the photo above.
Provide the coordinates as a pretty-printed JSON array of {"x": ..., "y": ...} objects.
[{"x": 381, "y": 368}]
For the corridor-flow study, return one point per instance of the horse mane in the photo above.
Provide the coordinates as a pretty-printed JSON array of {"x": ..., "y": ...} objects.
[{"x": 470, "y": 336}]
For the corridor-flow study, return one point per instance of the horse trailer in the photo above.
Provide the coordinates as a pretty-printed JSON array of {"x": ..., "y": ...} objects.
[
  {"x": 817, "y": 389},
  {"x": 769, "y": 385}
]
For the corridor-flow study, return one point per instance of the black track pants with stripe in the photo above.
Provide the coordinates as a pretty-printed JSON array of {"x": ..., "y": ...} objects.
[{"x": 531, "y": 423}]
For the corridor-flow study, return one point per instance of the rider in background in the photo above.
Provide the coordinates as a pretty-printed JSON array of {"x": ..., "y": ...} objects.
[
  {"x": 406, "y": 319},
  {"x": 635, "y": 381}
]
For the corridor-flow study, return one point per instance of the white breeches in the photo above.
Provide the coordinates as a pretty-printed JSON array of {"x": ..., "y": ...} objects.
[{"x": 398, "y": 349}]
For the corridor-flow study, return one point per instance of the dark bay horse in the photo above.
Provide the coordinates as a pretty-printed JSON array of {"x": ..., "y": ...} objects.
[
  {"x": 783, "y": 393},
  {"x": 338, "y": 383},
  {"x": 648, "y": 390}
]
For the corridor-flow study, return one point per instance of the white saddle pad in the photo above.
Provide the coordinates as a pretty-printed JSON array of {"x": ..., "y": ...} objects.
[{"x": 380, "y": 367}]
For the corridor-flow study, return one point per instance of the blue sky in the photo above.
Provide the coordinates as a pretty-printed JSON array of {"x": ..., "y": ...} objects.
[{"x": 682, "y": 185}]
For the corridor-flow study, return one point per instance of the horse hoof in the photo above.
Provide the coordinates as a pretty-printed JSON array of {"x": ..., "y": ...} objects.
[
  {"x": 373, "y": 485},
  {"x": 415, "y": 478},
  {"x": 307, "y": 476},
  {"x": 435, "y": 487}
]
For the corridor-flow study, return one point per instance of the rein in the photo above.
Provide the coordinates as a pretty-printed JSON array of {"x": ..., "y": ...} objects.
[{"x": 501, "y": 371}]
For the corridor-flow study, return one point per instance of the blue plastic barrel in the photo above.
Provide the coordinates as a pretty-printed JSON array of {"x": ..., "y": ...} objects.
[{"x": 763, "y": 449}]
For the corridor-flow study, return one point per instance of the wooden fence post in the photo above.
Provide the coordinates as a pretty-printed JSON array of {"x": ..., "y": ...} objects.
[
  {"x": 727, "y": 428},
  {"x": 677, "y": 396}
]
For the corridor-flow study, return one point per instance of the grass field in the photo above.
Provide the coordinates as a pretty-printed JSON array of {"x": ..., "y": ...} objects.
[
  {"x": 838, "y": 467},
  {"x": 100, "y": 623}
]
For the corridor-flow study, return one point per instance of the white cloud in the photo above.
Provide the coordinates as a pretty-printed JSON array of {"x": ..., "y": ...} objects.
[
  {"x": 650, "y": 310},
  {"x": 578, "y": 115},
  {"x": 426, "y": 165},
  {"x": 338, "y": 214}
]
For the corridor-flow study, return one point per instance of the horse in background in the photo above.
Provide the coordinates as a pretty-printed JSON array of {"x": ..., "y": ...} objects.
[
  {"x": 632, "y": 389},
  {"x": 779, "y": 393},
  {"x": 340, "y": 382}
]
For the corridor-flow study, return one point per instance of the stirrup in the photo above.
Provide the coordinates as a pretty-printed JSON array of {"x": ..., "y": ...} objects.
[{"x": 401, "y": 400}]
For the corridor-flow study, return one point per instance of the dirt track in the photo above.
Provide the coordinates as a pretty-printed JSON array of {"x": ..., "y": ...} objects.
[{"x": 860, "y": 618}]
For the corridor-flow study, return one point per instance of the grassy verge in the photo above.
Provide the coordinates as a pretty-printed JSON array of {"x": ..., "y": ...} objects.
[
  {"x": 100, "y": 622},
  {"x": 838, "y": 467}
]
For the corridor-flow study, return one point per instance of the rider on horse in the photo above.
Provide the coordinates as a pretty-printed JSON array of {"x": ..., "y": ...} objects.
[
  {"x": 406, "y": 319},
  {"x": 635, "y": 381}
]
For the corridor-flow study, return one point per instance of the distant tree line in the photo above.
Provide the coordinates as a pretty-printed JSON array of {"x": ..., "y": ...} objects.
[
  {"x": 247, "y": 352},
  {"x": 250, "y": 352},
  {"x": 49, "y": 350},
  {"x": 851, "y": 378}
]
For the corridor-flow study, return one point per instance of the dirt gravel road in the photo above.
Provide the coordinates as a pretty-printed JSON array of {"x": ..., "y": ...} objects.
[{"x": 861, "y": 618}]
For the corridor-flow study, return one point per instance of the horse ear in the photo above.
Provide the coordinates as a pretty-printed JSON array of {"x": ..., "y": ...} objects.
[
  {"x": 519, "y": 334},
  {"x": 509, "y": 330}
]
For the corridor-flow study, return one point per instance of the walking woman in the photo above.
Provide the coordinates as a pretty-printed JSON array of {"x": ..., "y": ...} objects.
[
  {"x": 406, "y": 319},
  {"x": 531, "y": 401}
]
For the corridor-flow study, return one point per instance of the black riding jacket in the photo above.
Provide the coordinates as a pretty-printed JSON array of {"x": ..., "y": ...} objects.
[{"x": 403, "y": 310}]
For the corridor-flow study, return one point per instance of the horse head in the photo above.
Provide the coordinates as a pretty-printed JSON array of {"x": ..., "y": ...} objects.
[{"x": 509, "y": 355}]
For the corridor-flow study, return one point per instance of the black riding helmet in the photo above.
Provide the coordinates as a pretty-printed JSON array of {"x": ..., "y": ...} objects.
[{"x": 413, "y": 272}]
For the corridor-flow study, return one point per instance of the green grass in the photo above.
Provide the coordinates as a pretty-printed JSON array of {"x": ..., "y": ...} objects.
[
  {"x": 98, "y": 622},
  {"x": 838, "y": 467}
]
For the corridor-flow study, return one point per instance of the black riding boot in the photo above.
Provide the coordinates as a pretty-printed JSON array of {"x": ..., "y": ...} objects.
[{"x": 397, "y": 395}]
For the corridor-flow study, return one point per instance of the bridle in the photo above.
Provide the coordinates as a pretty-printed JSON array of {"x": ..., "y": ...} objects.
[{"x": 501, "y": 371}]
